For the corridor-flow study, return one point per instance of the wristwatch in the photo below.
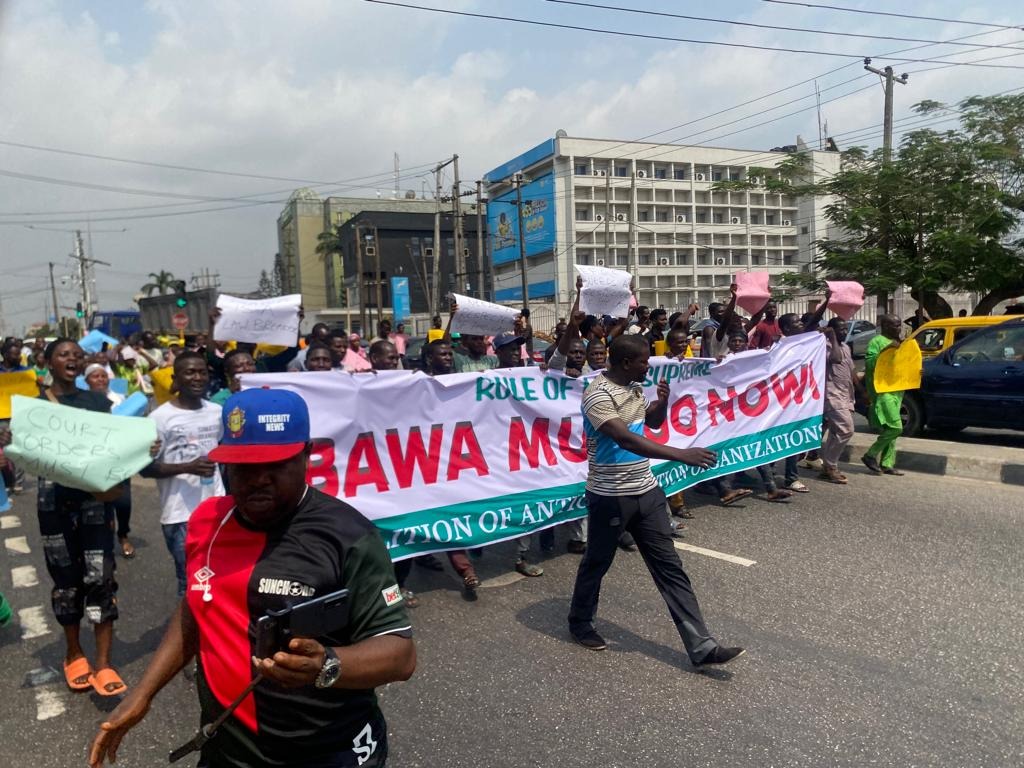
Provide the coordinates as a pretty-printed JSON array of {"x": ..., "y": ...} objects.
[{"x": 330, "y": 671}]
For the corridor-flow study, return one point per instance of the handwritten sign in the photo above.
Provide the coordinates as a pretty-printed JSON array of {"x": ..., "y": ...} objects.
[
  {"x": 605, "y": 291},
  {"x": 898, "y": 370},
  {"x": 271, "y": 321},
  {"x": 482, "y": 318},
  {"x": 92, "y": 343},
  {"x": 847, "y": 297},
  {"x": 78, "y": 448},
  {"x": 752, "y": 291},
  {"x": 20, "y": 383}
]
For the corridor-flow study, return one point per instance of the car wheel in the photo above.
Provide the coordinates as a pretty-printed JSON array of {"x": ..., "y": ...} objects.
[{"x": 912, "y": 416}]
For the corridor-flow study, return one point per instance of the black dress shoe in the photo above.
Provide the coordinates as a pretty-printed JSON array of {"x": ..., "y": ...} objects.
[
  {"x": 720, "y": 655},
  {"x": 871, "y": 463},
  {"x": 590, "y": 639}
]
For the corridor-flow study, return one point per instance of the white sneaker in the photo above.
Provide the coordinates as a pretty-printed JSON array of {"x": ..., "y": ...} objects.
[{"x": 811, "y": 464}]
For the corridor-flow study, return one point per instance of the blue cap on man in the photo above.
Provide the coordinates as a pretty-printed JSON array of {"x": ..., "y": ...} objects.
[{"x": 262, "y": 426}]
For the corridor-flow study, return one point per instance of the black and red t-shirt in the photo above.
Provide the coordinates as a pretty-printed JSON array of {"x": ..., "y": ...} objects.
[{"x": 325, "y": 546}]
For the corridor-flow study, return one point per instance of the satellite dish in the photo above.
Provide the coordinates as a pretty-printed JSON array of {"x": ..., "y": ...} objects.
[{"x": 560, "y": 133}]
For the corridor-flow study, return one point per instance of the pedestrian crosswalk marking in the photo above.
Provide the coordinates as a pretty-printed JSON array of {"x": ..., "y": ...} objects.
[
  {"x": 49, "y": 703},
  {"x": 9, "y": 521},
  {"x": 33, "y": 622},
  {"x": 24, "y": 576},
  {"x": 712, "y": 553},
  {"x": 17, "y": 545}
]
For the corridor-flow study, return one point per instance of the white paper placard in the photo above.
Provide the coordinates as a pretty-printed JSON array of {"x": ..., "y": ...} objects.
[
  {"x": 605, "y": 291},
  {"x": 267, "y": 321},
  {"x": 482, "y": 318}
]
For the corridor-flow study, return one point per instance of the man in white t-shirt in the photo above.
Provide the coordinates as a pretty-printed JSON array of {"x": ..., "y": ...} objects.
[{"x": 188, "y": 428}]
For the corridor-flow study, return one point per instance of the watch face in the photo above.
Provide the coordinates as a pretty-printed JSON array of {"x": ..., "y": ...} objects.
[{"x": 329, "y": 674}]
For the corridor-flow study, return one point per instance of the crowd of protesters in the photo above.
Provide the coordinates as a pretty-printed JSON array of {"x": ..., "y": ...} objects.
[{"x": 82, "y": 531}]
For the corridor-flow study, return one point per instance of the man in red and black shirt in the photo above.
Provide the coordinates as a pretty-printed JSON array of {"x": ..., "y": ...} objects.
[{"x": 275, "y": 543}]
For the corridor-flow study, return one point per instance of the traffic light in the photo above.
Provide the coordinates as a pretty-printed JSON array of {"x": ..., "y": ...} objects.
[
  {"x": 79, "y": 313},
  {"x": 179, "y": 288}
]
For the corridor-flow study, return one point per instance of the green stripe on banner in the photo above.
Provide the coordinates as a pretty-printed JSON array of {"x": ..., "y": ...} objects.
[{"x": 487, "y": 521}]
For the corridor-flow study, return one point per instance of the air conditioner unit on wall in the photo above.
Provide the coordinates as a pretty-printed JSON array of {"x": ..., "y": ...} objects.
[
  {"x": 598, "y": 172},
  {"x": 735, "y": 220},
  {"x": 754, "y": 179},
  {"x": 699, "y": 177},
  {"x": 620, "y": 217},
  {"x": 787, "y": 223},
  {"x": 641, "y": 174},
  {"x": 663, "y": 262},
  {"x": 600, "y": 262},
  {"x": 681, "y": 218},
  {"x": 720, "y": 261},
  {"x": 599, "y": 217}
]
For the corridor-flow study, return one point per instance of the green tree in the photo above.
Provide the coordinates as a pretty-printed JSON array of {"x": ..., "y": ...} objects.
[
  {"x": 161, "y": 282},
  {"x": 329, "y": 244},
  {"x": 948, "y": 206}
]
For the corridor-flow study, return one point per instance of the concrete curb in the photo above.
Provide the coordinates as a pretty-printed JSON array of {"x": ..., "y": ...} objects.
[{"x": 940, "y": 457}]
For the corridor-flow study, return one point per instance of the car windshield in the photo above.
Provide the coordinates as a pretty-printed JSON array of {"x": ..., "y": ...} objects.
[{"x": 1000, "y": 345}]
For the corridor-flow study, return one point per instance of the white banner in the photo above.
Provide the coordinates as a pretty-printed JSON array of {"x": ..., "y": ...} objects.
[
  {"x": 482, "y": 318},
  {"x": 605, "y": 291},
  {"x": 268, "y": 321},
  {"x": 469, "y": 459}
]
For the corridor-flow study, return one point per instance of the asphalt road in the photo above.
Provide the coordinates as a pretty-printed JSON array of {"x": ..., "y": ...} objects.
[
  {"x": 884, "y": 622},
  {"x": 1002, "y": 438}
]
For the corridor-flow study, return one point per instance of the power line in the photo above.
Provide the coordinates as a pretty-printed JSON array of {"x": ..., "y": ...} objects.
[
  {"x": 885, "y": 13},
  {"x": 737, "y": 23},
  {"x": 647, "y": 36}
]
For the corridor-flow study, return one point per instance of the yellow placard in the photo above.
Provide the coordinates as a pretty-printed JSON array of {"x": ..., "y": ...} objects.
[
  {"x": 19, "y": 383},
  {"x": 898, "y": 370},
  {"x": 161, "y": 379},
  {"x": 434, "y": 334},
  {"x": 689, "y": 351},
  {"x": 660, "y": 347}
]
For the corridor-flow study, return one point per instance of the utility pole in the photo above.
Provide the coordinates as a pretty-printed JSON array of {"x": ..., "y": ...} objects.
[
  {"x": 632, "y": 260},
  {"x": 481, "y": 240},
  {"x": 522, "y": 240},
  {"x": 56, "y": 306},
  {"x": 607, "y": 215},
  {"x": 461, "y": 281},
  {"x": 376, "y": 277},
  {"x": 890, "y": 79},
  {"x": 360, "y": 279},
  {"x": 435, "y": 289}
]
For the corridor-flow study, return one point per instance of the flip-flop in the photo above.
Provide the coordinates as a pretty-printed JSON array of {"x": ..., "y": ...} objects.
[
  {"x": 127, "y": 549},
  {"x": 104, "y": 677},
  {"x": 76, "y": 669},
  {"x": 735, "y": 496}
]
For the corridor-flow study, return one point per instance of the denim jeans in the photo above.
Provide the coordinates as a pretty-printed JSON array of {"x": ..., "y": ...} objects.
[{"x": 174, "y": 537}]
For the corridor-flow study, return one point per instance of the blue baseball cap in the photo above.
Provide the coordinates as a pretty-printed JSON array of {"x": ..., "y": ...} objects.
[
  {"x": 506, "y": 338},
  {"x": 262, "y": 426}
]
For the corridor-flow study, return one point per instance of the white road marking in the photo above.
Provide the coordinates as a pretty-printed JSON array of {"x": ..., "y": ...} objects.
[
  {"x": 17, "y": 545},
  {"x": 49, "y": 703},
  {"x": 33, "y": 622},
  {"x": 9, "y": 521},
  {"x": 24, "y": 576},
  {"x": 712, "y": 553},
  {"x": 502, "y": 581}
]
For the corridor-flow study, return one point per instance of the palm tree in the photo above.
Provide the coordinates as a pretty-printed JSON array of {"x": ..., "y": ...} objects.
[{"x": 162, "y": 282}]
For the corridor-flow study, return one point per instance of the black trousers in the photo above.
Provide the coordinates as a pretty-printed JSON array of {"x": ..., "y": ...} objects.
[{"x": 646, "y": 519}]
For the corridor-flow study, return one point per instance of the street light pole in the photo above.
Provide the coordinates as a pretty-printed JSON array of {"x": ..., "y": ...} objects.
[{"x": 522, "y": 241}]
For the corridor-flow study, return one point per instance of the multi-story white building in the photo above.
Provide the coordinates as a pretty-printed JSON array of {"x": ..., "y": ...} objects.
[{"x": 649, "y": 208}]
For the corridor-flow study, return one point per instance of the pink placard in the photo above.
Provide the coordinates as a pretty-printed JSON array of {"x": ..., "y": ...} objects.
[
  {"x": 847, "y": 297},
  {"x": 752, "y": 291}
]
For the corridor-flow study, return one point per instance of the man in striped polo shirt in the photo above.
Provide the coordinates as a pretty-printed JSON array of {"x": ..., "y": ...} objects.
[{"x": 622, "y": 494}]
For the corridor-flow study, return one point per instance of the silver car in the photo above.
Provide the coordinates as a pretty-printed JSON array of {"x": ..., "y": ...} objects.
[{"x": 858, "y": 335}]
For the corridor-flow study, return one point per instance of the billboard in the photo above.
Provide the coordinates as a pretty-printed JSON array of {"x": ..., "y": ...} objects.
[
  {"x": 538, "y": 221},
  {"x": 400, "y": 298}
]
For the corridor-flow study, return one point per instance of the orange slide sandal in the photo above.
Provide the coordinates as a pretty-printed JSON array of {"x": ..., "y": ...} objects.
[
  {"x": 104, "y": 678},
  {"x": 78, "y": 670}
]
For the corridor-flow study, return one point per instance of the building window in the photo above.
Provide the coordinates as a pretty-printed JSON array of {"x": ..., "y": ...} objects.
[
  {"x": 716, "y": 218},
  {"x": 754, "y": 218},
  {"x": 716, "y": 175},
  {"x": 581, "y": 169},
  {"x": 788, "y": 259},
  {"x": 661, "y": 216},
  {"x": 582, "y": 214},
  {"x": 702, "y": 218},
  {"x": 769, "y": 218},
  {"x": 643, "y": 216},
  {"x": 804, "y": 230},
  {"x": 620, "y": 170},
  {"x": 679, "y": 174},
  {"x": 660, "y": 173}
]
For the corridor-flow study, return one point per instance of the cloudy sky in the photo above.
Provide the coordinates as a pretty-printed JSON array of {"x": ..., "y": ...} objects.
[{"x": 321, "y": 93}]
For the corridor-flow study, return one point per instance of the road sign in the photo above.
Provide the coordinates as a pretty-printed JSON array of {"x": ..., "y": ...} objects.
[{"x": 179, "y": 320}]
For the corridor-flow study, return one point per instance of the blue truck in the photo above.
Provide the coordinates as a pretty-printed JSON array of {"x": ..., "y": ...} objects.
[{"x": 119, "y": 323}]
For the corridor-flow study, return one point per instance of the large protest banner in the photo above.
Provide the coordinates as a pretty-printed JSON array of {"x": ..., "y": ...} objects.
[
  {"x": 78, "y": 448},
  {"x": 475, "y": 458}
]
